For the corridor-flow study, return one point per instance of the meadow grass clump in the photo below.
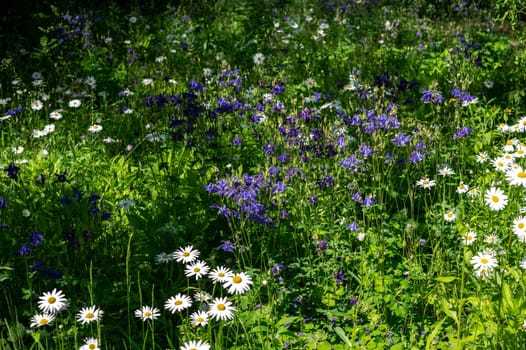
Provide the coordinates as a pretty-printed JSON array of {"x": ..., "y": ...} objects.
[{"x": 302, "y": 175}]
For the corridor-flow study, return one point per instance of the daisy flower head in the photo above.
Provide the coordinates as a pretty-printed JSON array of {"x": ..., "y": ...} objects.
[
  {"x": 198, "y": 269},
  {"x": 75, "y": 103},
  {"x": 147, "y": 81},
  {"x": 37, "y": 105},
  {"x": 523, "y": 264},
  {"x": 462, "y": 188},
  {"x": 199, "y": 318},
  {"x": 56, "y": 115},
  {"x": 501, "y": 164},
  {"x": 445, "y": 171},
  {"x": 147, "y": 313},
  {"x": 195, "y": 345},
  {"x": 519, "y": 227},
  {"x": 482, "y": 157},
  {"x": 491, "y": 239},
  {"x": 18, "y": 150},
  {"x": 495, "y": 198},
  {"x": 469, "y": 238},
  {"x": 53, "y": 301},
  {"x": 484, "y": 260},
  {"x": 450, "y": 216},
  {"x": 220, "y": 274},
  {"x": 482, "y": 272},
  {"x": 258, "y": 58},
  {"x": 163, "y": 257},
  {"x": 503, "y": 127},
  {"x": 178, "y": 303},
  {"x": 186, "y": 255},
  {"x": 426, "y": 183},
  {"x": 520, "y": 152},
  {"x": 221, "y": 309},
  {"x": 473, "y": 192},
  {"x": 516, "y": 176},
  {"x": 95, "y": 128},
  {"x": 239, "y": 283},
  {"x": 89, "y": 314},
  {"x": 201, "y": 296},
  {"x": 90, "y": 344},
  {"x": 42, "y": 319}
]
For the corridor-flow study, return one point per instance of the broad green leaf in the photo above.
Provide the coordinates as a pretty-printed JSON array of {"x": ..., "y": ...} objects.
[
  {"x": 446, "y": 279},
  {"x": 341, "y": 333}
]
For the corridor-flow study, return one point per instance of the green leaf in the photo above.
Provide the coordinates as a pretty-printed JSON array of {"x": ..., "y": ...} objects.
[
  {"x": 446, "y": 279},
  {"x": 446, "y": 308},
  {"x": 341, "y": 333},
  {"x": 434, "y": 333}
]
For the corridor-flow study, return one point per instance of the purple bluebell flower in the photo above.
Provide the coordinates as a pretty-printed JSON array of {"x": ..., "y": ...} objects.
[
  {"x": 283, "y": 158},
  {"x": 340, "y": 277},
  {"x": 3, "y": 203},
  {"x": 416, "y": 157},
  {"x": 227, "y": 246},
  {"x": 12, "y": 171},
  {"x": 36, "y": 238},
  {"x": 277, "y": 268},
  {"x": 278, "y": 89},
  {"x": 401, "y": 140},
  {"x": 24, "y": 250},
  {"x": 353, "y": 226},
  {"x": 462, "y": 132}
]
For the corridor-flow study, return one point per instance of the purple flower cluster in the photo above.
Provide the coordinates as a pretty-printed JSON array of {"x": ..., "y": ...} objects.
[{"x": 245, "y": 195}]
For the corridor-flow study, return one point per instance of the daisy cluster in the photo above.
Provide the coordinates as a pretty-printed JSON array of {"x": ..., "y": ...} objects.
[
  {"x": 510, "y": 172},
  {"x": 54, "y": 302},
  {"x": 209, "y": 307}
]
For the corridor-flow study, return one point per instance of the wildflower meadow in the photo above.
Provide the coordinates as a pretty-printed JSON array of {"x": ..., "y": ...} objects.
[{"x": 273, "y": 174}]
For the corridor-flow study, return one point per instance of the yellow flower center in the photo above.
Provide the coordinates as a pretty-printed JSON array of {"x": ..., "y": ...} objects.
[
  {"x": 500, "y": 164},
  {"x": 51, "y": 300},
  {"x": 237, "y": 279},
  {"x": 186, "y": 254},
  {"x": 509, "y": 142},
  {"x": 495, "y": 199},
  {"x": 92, "y": 346},
  {"x": 220, "y": 274},
  {"x": 200, "y": 320},
  {"x": 178, "y": 302},
  {"x": 147, "y": 314},
  {"x": 165, "y": 256},
  {"x": 221, "y": 307},
  {"x": 521, "y": 175},
  {"x": 90, "y": 315},
  {"x": 484, "y": 261},
  {"x": 43, "y": 321},
  {"x": 197, "y": 269}
]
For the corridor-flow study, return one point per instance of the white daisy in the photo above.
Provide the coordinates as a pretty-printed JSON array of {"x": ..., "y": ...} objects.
[
  {"x": 484, "y": 260},
  {"x": 55, "y": 115},
  {"x": 523, "y": 264},
  {"x": 89, "y": 314},
  {"x": 482, "y": 157},
  {"x": 38, "y": 133},
  {"x": 491, "y": 239},
  {"x": 201, "y": 296},
  {"x": 90, "y": 344},
  {"x": 220, "y": 274},
  {"x": 450, "y": 216},
  {"x": 178, "y": 303},
  {"x": 18, "y": 150},
  {"x": 238, "y": 284},
  {"x": 445, "y": 171},
  {"x": 53, "y": 301},
  {"x": 520, "y": 152},
  {"x": 516, "y": 176},
  {"x": 495, "y": 198},
  {"x": 221, "y": 309},
  {"x": 163, "y": 258},
  {"x": 49, "y": 128},
  {"x": 147, "y": 313},
  {"x": 147, "y": 81},
  {"x": 199, "y": 318},
  {"x": 195, "y": 345},
  {"x": 469, "y": 238},
  {"x": 519, "y": 226},
  {"x": 258, "y": 58},
  {"x": 95, "y": 128},
  {"x": 462, "y": 188},
  {"x": 186, "y": 255},
  {"x": 482, "y": 272},
  {"x": 426, "y": 183},
  {"x": 74, "y": 103},
  {"x": 198, "y": 269},
  {"x": 473, "y": 192},
  {"x": 42, "y": 319},
  {"x": 501, "y": 164},
  {"x": 37, "y": 105}
]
